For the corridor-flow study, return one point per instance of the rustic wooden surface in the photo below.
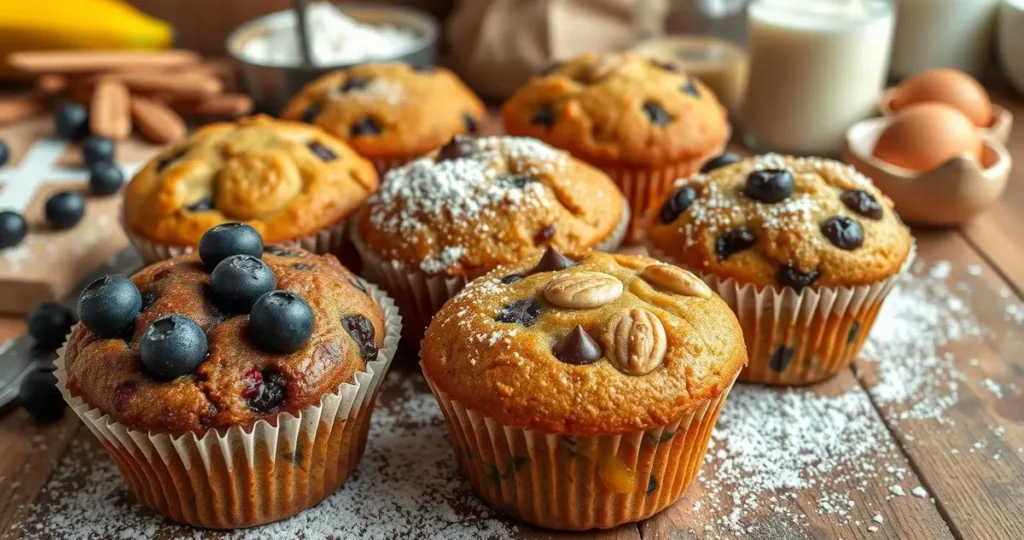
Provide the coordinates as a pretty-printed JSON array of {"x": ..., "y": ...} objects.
[{"x": 973, "y": 498}]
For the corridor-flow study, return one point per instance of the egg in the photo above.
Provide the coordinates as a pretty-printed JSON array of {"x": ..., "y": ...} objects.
[
  {"x": 949, "y": 86},
  {"x": 923, "y": 137}
]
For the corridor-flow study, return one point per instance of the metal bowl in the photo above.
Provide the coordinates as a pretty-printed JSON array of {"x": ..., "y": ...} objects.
[{"x": 272, "y": 86}]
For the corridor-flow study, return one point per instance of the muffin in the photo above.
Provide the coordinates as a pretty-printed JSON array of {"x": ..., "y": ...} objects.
[
  {"x": 234, "y": 397},
  {"x": 581, "y": 391},
  {"x": 291, "y": 182},
  {"x": 443, "y": 220},
  {"x": 644, "y": 122},
  {"x": 390, "y": 113},
  {"x": 803, "y": 249}
]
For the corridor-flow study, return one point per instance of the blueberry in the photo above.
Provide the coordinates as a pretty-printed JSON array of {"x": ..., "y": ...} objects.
[
  {"x": 173, "y": 346},
  {"x": 470, "y": 123},
  {"x": 5, "y": 153},
  {"x": 65, "y": 209},
  {"x": 361, "y": 330},
  {"x": 843, "y": 232},
  {"x": 239, "y": 280},
  {"x": 518, "y": 181},
  {"x": 545, "y": 116},
  {"x": 264, "y": 390},
  {"x": 312, "y": 112},
  {"x": 523, "y": 312},
  {"x": 13, "y": 229},
  {"x": 769, "y": 186},
  {"x": 727, "y": 158},
  {"x": 322, "y": 152},
  {"x": 281, "y": 321},
  {"x": 109, "y": 305},
  {"x": 512, "y": 278},
  {"x": 72, "y": 121},
  {"x": 105, "y": 178},
  {"x": 202, "y": 205},
  {"x": 227, "y": 239},
  {"x": 365, "y": 127},
  {"x": 690, "y": 89},
  {"x": 790, "y": 276},
  {"x": 459, "y": 146},
  {"x": 862, "y": 202},
  {"x": 49, "y": 323},
  {"x": 734, "y": 241},
  {"x": 656, "y": 114},
  {"x": 40, "y": 396},
  {"x": 355, "y": 83},
  {"x": 96, "y": 149},
  {"x": 677, "y": 204}
]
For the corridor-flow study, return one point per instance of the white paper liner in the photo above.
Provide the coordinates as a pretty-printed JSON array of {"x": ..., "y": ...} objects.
[
  {"x": 799, "y": 338},
  {"x": 231, "y": 479},
  {"x": 576, "y": 482},
  {"x": 420, "y": 295}
]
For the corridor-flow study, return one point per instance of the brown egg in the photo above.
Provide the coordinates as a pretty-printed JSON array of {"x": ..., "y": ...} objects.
[
  {"x": 949, "y": 86},
  {"x": 922, "y": 137}
]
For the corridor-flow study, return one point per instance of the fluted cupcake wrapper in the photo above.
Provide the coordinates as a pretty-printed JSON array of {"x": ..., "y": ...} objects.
[
  {"x": 579, "y": 482},
  {"x": 420, "y": 295},
  {"x": 235, "y": 478},
  {"x": 796, "y": 338}
]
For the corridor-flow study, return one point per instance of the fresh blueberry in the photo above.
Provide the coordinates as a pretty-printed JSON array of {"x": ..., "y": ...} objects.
[
  {"x": 65, "y": 209},
  {"x": 96, "y": 149},
  {"x": 790, "y": 276},
  {"x": 523, "y": 312},
  {"x": 109, "y": 305},
  {"x": 13, "y": 229},
  {"x": 769, "y": 186},
  {"x": 734, "y": 241},
  {"x": 459, "y": 146},
  {"x": 281, "y": 321},
  {"x": 312, "y": 112},
  {"x": 365, "y": 127},
  {"x": 862, "y": 202},
  {"x": 40, "y": 396},
  {"x": 227, "y": 239},
  {"x": 545, "y": 116},
  {"x": 5, "y": 153},
  {"x": 72, "y": 121},
  {"x": 239, "y": 280},
  {"x": 264, "y": 390},
  {"x": 105, "y": 178},
  {"x": 727, "y": 158},
  {"x": 361, "y": 330},
  {"x": 677, "y": 204},
  {"x": 843, "y": 232},
  {"x": 49, "y": 323},
  {"x": 172, "y": 346},
  {"x": 657, "y": 114},
  {"x": 322, "y": 152}
]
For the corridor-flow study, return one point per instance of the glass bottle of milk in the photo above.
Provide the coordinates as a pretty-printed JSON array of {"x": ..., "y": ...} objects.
[{"x": 816, "y": 68}]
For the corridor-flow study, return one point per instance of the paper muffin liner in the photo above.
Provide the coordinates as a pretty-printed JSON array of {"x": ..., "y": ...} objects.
[
  {"x": 231, "y": 478},
  {"x": 578, "y": 482},
  {"x": 797, "y": 338},
  {"x": 420, "y": 295}
]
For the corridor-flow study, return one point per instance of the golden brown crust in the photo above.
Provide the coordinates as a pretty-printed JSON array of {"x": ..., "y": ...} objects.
[
  {"x": 415, "y": 110},
  {"x": 467, "y": 215},
  {"x": 264, "y": 172},
  {"x": 507, "y": 371},
  {"x": 108, "y": 375},
  {"x": 786, "y": 233},
  {"x": 597, "y": 107}
]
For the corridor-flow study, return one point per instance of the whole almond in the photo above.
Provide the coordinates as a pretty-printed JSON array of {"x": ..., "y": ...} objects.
[
  {"x": 583, "y": 289},
  {"x": 108, "y": 113},
  {"x": 676, "y": 279},
  {"x": 156, "y": 121},
  {"x": 635, "y": 341}
]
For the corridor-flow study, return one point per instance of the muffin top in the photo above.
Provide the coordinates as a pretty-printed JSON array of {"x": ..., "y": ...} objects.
[
  {"x": 782, "y": 221},
  {"x": 389, "y": 110},
  {"x": 481, "y": 202},
  {"x": 241, "y": 379},
  {"x": 620, "y": 110},
  {"x": 286, "y": 179},
  {"x": 585, "y": 344}
]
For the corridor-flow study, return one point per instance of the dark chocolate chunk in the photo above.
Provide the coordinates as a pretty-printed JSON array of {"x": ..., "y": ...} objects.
[
  {"x": 322, "y": 152},
  {"x": 677, "y": 204},
  {"x": 545, "y": 116},
  {"x": 862, "y": 202},
  {"x": 265, "y": 390},
  {"x": 578, "y": 348},
  {"x": 781, "y": 358},
  {"x": 769, "y": 185},
  {"x": 552, "y": 261},
  {"x": 362, "y": 332},
  {"x": 734, "y": 241},
  {"x": 523, "y": 312},
  {"x": 843, "y": 232},
  {"x": 365, "y": 127},
  {"x": 789, "y": 276},
  {"x": 656, "y": 113}
]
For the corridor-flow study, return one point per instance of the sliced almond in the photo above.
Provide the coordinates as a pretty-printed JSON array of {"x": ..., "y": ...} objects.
[
  {"x": 635, "y": 341},
  {"x": 676, "y": 279},
  {"x": 583, "y": 289},
  {"x": 156, "y": 121},
  {"x": 108, "y": 113}
]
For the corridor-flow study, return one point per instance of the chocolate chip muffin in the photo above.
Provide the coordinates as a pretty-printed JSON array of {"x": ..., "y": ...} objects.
[
  {"x": 581, "y": 390},
  {"x": 220, "y": 380},
  {"x": 390, "y": 113},
  {"x": 643, "y": 121},
  {"x": 804, "y": 249},
  {"x": 443, "y": 220},
  {"x": 291, "y": 182}
]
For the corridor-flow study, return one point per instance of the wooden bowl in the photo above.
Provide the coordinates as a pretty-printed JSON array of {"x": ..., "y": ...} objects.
[
  {"x": 947, "y": 195},
  {"x": 999, "y": 129}
]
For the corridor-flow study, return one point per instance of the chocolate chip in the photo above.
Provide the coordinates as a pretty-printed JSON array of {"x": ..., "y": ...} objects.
[
  {"x": 123, "y": 395},
  {"x": 365, "y": 127},
  {"x": 843, "y": 232},
  {"x": 312, "y": 112},
  {"x": 163, "y": 163},
  {"x": 671, "y": 67},
  {"x": 265, "y": 390},
  {"x": 362, "y": 332},
  {"x": 578, "y": 348},
  {"x": 355, "y": 83},
  {"x": 553, "y": 261},
  {"x": 781, "y": 358},
  {"x": 851, "y": 337},
  {"x": 689, "y": 88},
  {"x": 652, "y": 485},
  {"x": 769, "y": 186},
  {"x": 545, "y": 116},
  {"x": 512, "y": 278},
  {"x": 322, "y": 152},
  {"x": 677, "y": 204},
  {"x": 789, "y": 276},
  {"x": 734, "y": 241},
  {"x": 544, "y": 235},
  {"x": 518, "y": 181},
  {"x": 202, "y": 205},
  {"x": 470, "y": 123},
  {"x": 282, "y": 251},
  {"x": 727, "y": 158},
  {"x": 862, "y": 202},
  {"x": 656, "y": 114},
  {"x": 523, "y": 312},
  {"x": 459, "y": 146},
  {"x": 301, "y": 266}
]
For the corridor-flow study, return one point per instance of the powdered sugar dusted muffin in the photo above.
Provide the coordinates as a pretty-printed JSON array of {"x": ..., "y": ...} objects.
[
  {"x": 581, "y": 389},
  {"x": 443, "y": 220},
  {"x": 811, "y": 237},
  {"x": 390, "y": 113}
]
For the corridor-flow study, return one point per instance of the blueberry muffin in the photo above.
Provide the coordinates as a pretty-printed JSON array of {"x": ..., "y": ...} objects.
[
  {"x": 289, "y": 181},
  {"x": 443, "y": 220},
  {"x": 804, "y": 249},
  {"x": 643, "y": 121},
  {"x": 390, "y": 113},
  {"x": 219, "y": 381},
  {"x": 581, "y": 389}
]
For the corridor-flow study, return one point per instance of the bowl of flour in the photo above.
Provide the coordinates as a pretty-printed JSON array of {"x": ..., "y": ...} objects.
[{"x": 339, "y": 36}]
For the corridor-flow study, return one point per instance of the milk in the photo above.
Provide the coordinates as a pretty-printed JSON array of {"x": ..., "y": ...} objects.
[
  {"x": 943, "y": 33},
  {"x": 816, "y": 67}
]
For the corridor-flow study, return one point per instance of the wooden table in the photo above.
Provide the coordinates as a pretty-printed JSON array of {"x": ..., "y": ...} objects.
[{"x": 969, "y": 463}]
